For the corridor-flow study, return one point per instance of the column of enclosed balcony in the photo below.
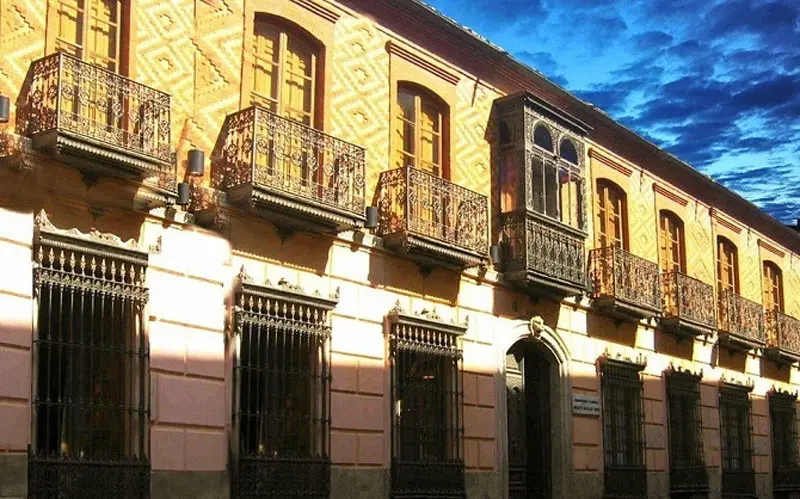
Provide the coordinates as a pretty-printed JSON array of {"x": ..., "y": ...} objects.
[
  {"x": 740, "y": 321},
  {"x": 432, "y": 220},
  {"x": 97, "y": 120},
  {"x": 688, "y": 305},
  {"x": 624, "y": 285},
  {"x": 540, "y": 198},
  {"x": 291, "y": 174},
  {"x": 782, "y": 335}
]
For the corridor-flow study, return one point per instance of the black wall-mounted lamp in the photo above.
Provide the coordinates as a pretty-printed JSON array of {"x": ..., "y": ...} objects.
[
  {"x": 197, "y": 161},
  {"x": 495, "y": 253},
  {"x": 372, "y": 217},
  {"x": 5, "y": 109},
  {"x": 184, "y": 194}
]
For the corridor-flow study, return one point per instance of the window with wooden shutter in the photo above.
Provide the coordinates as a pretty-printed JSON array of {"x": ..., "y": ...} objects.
[
  {"x": 612, "y": 221},
  {"x": 421, "y": 120},
  {"x": 672, "y": 247},
  {"x": 285, "y": 70},
  {"x": 727, "y": 267},
  {"x": 773, "y": 287},
  {"x": 91, "y": 30}
]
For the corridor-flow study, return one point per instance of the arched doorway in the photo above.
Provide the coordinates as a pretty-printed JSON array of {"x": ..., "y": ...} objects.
[{"x": 530, "y": 373}]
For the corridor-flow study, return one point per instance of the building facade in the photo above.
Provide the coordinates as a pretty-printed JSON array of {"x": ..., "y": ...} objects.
[{"x": 349, "y": 249}]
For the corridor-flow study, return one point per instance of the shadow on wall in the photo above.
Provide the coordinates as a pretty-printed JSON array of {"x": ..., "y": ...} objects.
[
  {"x": 729, "y": 359},
  {"x": 674, "y": 346},
  {"x": 408, "y": 278},
  {"x": 777, "y": 371},
  {"x": 615, "y": 331}
]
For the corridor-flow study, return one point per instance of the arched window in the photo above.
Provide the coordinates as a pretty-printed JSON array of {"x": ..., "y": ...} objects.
[
  {"x": 568, "y": 152},
  {"x": 773, "y": 287},
  {"x": 612, "y": 218},
  {"x": 542, "y": 138},
  {"x": 673, "y": 249},
  {"x": 285, "y": 61},
  {"x": 421, "y": 130},
  {"x": 727, "y": 266},
  {"x": 91, "y": 30}
]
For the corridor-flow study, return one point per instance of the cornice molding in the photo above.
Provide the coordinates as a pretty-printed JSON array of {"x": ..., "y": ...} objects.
[
  {"x": 320, "y": 10},
  {"x": 658, "y": 189},
  {"x": 726, "y": 223},
  {"x": 614, "y": 165},
  {"x": 394, "y": 48},
  {"x": 772, "y": 249}
]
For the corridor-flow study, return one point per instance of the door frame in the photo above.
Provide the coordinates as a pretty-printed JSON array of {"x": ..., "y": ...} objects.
[{"x": 538, "y": 332}]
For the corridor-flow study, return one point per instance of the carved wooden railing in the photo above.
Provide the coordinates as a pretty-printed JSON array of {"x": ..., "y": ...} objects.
[
  {"x": 740, "y": 317},
  {"x": 688, "y": 299},
  {"x": 782, "y": 331},
  {"x": 258, "y": 147},
  {"x": 546, "y": 248},
  {"x": 69, "y": 96},
  {"x": 417, "y": 202},
  {"x": 625, "y": 277}
]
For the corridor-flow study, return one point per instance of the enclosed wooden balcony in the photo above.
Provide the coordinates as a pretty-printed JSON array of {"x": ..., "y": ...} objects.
[
  {"x": 294, "y": 175},
  {"x": 688, "y": 305},
  {"x": 97, "y": 120},
  {"x": 542, "y": 255},
  {"x": 624, "y": 285},
  {"x": 783, "y": 335},
  {"x": 432, "y": 220},
  {"x": 741, "y": 321}
]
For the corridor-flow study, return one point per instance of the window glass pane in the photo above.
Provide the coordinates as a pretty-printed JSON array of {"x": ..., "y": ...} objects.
[
  {"x": 538, "y": 187},
  {"x": 70, "y": 26},
  {"x": 298, "y": 83},
  {"x": 102, "y": 35},
  {"x": 551, "y": 190},
  {"x": 266, "y": 65}
]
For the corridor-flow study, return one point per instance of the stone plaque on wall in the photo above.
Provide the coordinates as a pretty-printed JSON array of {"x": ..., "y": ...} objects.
[{"x": 586, "y": 405}]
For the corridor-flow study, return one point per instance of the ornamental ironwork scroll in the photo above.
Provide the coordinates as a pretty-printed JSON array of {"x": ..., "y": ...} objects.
[
  {"x": 91, "y": 406},
  {"x": 62, "y": 93},
  {"x": 625, "y": 276},
  {"x": 782, "y": 332},
  {"x": 420, "y": 203},
  {"x": 689, "y": 299},
  {"x": 427, "y": 398},
  {"x": 282, "y": 376},
  {"x": 741, "y": 317},
  {"x": 259, "y": 147}
]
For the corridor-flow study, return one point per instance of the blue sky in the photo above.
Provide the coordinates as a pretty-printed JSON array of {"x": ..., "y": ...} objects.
[{"x": 715, "y": 82}]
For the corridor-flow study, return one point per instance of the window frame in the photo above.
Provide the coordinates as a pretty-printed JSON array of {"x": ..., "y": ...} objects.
[
  {"x": 783, "y": 433},
  {"x": 772, "y": 284},
  {"x": 427, "y": 335},
  {"x": 735, "y": 403},
  {"x": 421, "y": 97},
  {"x": 547, "y": 169},
  {"x": 666, "y": 219},
  {"x": 609, "y": 209},
  {"x": 727, "y": 256},
  {"x": 85, "y": 24},
  {"x": 287, "y": 32},
  {"x": 288, "y": 313}
]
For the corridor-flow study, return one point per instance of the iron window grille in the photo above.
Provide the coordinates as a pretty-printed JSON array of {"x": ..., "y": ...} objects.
[
  {"x": 738, "y": 479},
  {"x": 282, "y": 376},
  {"x": 427, "y": 401},
  {"x": 623, "y": 429},
  {"x": 91, "y": 403},
  {"x": 783, "y": 422},
  {"x": 687, "y": 467}
]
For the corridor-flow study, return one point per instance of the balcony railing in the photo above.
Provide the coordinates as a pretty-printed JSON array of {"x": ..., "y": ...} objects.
[
  {"x": 740, "y": 319},
  {"x": 783, "y": 333},
  {"x": 624, "y": 281},
  {"x": 436, "y": 215},
  {"x": 68, "y": 103},
  {"x": 688, "y": 301},
  {"x": 286, "y": 164},
  {"x": 543, "y": 253}
]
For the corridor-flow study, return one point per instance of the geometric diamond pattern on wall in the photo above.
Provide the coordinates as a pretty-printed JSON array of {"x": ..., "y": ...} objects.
[
  {"x": 22, "y": 29},
  {"x": 471, "y": 154}
]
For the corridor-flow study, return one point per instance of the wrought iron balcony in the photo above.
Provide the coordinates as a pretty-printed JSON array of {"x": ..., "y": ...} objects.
[
  {"x": 688, "y": 304},
  {"x": 543, "y": 255},
  {"x": 101, "y": 121},
  {"x": 432, "y": 220},
  {"x": 741, "y": 321},
  {"x": 292, "y": 174},
  {"x": 624, "y": 285},
  {"x": 783, "y": 335}
]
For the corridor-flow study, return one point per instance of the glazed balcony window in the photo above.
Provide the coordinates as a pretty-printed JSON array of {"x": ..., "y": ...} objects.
[
  {"x": 783, "y": 426},
  {"x": 623, "y": 429},
  {"x": 427, "y": 393},
  {"x": 272, "y": 158},
  {"x": 539, "y": 157},
  {"x": 97, "y": 120},
  {"x": 91, "y": 406},
  {"x": 282, "y": 379},
  {"x": 688, "y": 472},
  {"x": 738, "y": 478}
]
